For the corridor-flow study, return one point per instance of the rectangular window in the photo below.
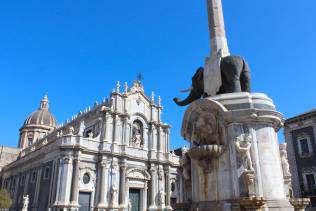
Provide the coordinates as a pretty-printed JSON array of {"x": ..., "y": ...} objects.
[
  {"x": 310, "y": 179},
  {"x": 47, "y": 172},
  {"x": 304, "y": 146},
  {"x": 30, "y": 141},
  {"x": 33, "y": 179}
]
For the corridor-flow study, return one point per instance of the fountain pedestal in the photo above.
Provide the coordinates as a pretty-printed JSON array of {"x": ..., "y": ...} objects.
[{"x": 234, "y": 152}]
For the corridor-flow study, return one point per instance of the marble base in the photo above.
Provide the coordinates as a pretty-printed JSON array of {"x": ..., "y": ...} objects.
[
  {"x": 300, "y": 203},
  {"x": 235, "y": 152}
]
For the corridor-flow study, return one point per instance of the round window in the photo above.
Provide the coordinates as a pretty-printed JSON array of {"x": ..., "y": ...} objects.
[{"x": 86, "y": 178}]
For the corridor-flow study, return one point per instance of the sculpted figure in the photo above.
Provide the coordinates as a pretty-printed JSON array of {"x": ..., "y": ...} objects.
[
  {"x": 129, "y": 205},
  {"x": 161, "y": 197},
  {"x": 284, "y": 160},
  {"x": 235, "y": 77},
  {"x": 185, "y": 163},
  {"x": 113, "y": 194},
  {"x": 243, "y": 149},
  {"x": 82, "y": 127},
  {"x": 137, "y": 135},
  {"x": 25, "y": 202}
]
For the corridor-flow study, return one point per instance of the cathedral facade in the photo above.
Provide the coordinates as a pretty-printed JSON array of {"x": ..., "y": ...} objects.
[{"x": 113, "y": 156}]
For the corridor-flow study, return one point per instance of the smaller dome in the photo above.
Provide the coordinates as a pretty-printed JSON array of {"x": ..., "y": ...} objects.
[{"x": 42, "y": 116}]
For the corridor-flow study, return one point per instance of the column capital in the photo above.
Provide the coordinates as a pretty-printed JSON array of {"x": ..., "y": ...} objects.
[
  {"x": 104, "y": 164},
  {"x": 67, "y": 159}
]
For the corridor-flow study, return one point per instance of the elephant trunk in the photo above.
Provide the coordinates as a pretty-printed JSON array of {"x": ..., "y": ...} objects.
[{"x": 194, "y": 95}]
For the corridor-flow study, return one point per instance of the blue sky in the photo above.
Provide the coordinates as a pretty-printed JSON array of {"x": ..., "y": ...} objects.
[{"x": 77, "y": 50}]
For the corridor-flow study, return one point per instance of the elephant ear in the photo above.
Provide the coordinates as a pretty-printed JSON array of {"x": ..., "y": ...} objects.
[{"x": 198, "y": 80}]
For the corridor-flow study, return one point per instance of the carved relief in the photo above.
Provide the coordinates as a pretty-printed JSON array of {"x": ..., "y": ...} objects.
[
  {"x": 139, "y": 174},
  {"x": 206, "y": 130}
]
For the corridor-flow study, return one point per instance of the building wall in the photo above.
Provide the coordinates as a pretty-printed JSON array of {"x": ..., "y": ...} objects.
[
  {"x": 301, "y": 164},
  {"x": 8, "y": 155}
]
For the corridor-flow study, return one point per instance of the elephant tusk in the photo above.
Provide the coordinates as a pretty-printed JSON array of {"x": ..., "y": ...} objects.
[{"x": 187, "y": 90}]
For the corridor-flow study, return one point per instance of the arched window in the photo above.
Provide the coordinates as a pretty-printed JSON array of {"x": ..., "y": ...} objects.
[{"x": 137, "y": 134}]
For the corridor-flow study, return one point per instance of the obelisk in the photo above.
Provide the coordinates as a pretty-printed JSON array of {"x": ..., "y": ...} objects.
[{"x": 217, "y": 28}]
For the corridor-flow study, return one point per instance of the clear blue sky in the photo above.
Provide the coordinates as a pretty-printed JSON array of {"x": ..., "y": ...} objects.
[{"x": 77, "y": 50}]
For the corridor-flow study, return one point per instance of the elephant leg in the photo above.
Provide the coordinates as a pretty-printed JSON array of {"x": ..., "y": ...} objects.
[
  {"x": 231, "y": 67},
  {"x": 245, "y": 78}
]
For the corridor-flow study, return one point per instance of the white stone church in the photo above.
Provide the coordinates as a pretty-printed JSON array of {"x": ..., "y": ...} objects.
[{"x": 114, "y": 156}]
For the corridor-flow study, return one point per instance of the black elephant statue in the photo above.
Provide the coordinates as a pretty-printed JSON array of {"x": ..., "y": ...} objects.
[{"x": 235, "y": 74}]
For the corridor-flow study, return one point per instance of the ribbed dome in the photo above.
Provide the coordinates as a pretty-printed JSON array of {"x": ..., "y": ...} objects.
[{"x": 42, "y": 116}]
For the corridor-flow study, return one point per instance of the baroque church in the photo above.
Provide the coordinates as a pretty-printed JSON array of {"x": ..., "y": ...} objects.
[{"x": 112, "y": 156}]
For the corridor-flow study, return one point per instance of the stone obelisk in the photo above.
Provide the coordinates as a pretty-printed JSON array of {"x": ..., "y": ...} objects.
[{"x": 217, "y": 28}]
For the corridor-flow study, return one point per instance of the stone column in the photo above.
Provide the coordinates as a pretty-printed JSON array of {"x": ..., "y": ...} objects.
[
  {"x": 104, "y": 126},
  {"x": 26, "y": 184},
  {"x": 168, "y": 189},
  {"x": 217, "y": 27},
  {"x": 123, "y": 167},
  {"x": 64, "y": 188},
  {"x": 115, "y": 129},
  {"x": 37, "y": 189},
  {"x": 103, "y": 184},
  {"x": 153, "y": 174},
  {"x": 75, "y": 182},
  {"x": 300, "y": 204}
]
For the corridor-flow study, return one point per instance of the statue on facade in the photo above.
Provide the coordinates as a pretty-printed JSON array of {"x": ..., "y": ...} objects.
[
  {"x": 113, "y": 193},
  {"x": 243, "y": 148},
  {"x": 130, "y": 205},
  {"x": 284, "y": 160},
  {"x": 26, "y": 201},
  {"x": 137, "y": 135},
  {"x": 82, "y": 127},
  {"x": 161, "y": 197}
]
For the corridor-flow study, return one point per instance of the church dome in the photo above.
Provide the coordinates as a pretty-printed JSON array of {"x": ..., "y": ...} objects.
[{"x": 42, "y": 116}]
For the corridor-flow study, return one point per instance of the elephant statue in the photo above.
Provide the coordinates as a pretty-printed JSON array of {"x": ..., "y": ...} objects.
[{"x": 235, "y": 75}]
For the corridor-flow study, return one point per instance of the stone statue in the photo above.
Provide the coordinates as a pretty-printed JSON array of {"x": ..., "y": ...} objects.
[
  {"x": 185, "y": 163},
  {"x": 130, "y": 205},
  {"x": 160, "y": 174},
  {"x": 71, "y": 130},
  {"x": 82, "y": 127},
  {"x": 161, "y": 197},
  {"x": 113, "y": 194},
  {"x": 26, "y": 201},
  {"x": 284, "y": 160},
  {"x": 243, "y": 149},
  {"x": 90, "y": 135},
  {"x": 137, "y": 135},
  {"x": 235, "y": 77}
]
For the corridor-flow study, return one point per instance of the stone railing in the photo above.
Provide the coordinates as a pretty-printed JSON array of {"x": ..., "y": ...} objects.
[{"x": 78, "y": 141}]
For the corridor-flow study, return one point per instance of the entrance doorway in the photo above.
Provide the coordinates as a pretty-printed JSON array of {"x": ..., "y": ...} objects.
[
  {"x": 84, "y": 201},
  {"x": 134, "y": 197}
]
